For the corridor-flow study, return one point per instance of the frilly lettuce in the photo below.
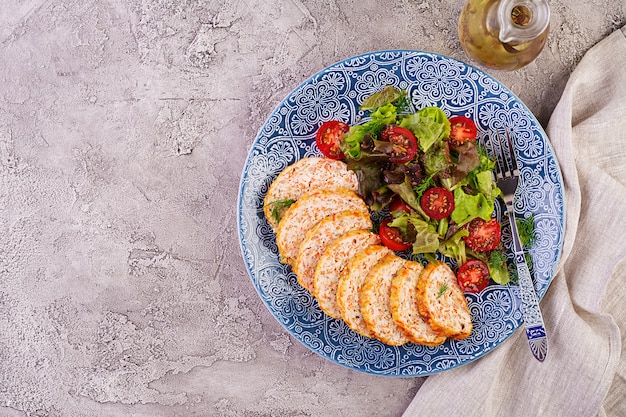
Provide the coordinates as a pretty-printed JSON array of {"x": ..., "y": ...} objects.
[
  {"x": 498, "y": 268},
  {"x": 426, "y": 237},
  {"x": 382, "y": 116},
  {"x": 454, "y": 247},
  {"x": 481, "y": 201},
  {"x": 467, "y": 207},
  {"x": 429, "y": 125}
]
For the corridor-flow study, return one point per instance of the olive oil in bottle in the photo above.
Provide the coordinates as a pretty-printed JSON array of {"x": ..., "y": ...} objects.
[{"x": 504, "y": 34}]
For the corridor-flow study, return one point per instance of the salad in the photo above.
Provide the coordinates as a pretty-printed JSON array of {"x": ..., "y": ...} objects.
[{"x": 429, "y": 179}]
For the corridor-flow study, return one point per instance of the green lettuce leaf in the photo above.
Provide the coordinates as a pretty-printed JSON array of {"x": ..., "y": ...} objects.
[
  {"x": 436, "y": 159},
  {"x": 468, "y": 207},
  {"x": 408, "y": 195},
  {"x": 426, "y": 237},
  {"x": 481, "y": 178},
  {"x": 486, "y": 186},
  {"x": 382, "y": 116},
  {"x": 467, "y": 160},
  {"x": 351, "y": 144},
  {"x": 454, "y": 247},
  {"x": 498, "y": 268},
  {"x": 389, "y": 94},
  {"x": 371, "y": 184},
  {"x": 429, "y": 125}
]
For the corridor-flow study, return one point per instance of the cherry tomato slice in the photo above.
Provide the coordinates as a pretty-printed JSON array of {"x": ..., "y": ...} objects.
[
  {"x": 329, "y": 136},
  {"x": 462, "y": 129},
  {"x": 483, "y": 236},
  {"x": 473, "y": 276},
  {"x": 403, "y": 141},
  {"x": 391, "y": 237},
  {"x": 437, "y": 203},
  {"x": 397, "y": 204}
]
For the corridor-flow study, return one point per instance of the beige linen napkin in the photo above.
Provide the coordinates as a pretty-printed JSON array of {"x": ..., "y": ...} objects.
[{"x": 588, "y": 133}]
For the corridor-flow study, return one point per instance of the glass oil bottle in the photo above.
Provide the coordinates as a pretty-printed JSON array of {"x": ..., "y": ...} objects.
[{"x": 504, "y": 34}]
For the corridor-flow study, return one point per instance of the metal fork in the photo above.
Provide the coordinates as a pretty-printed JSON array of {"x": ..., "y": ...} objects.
[{"x": 507, "y": 179}]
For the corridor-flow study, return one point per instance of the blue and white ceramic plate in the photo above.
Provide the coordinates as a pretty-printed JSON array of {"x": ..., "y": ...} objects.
[{"x": 335, "y": 94}]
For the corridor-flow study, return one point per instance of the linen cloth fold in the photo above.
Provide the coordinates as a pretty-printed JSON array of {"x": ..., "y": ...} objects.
[{"x": 587, "y": 131}]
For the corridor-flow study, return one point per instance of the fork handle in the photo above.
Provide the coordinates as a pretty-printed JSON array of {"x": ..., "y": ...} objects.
[{"x": 533, "y": 320}]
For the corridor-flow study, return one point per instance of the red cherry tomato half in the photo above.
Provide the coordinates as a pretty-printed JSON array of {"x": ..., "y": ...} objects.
[
  {"x": 462, "y": 129},
  {"x": 483, "y": 236},
  {"x": 391, "y": 237},
  {"x": 473, "y": 276},
  {"x": 437, "y": 203},
  {"x": 397, "y": 204},
  {"x": 328, "y": 138},
  {"x": 403, "y": 141}
]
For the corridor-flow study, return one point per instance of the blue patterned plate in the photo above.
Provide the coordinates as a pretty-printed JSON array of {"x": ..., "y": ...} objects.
[{"x": 335, "y": 94}]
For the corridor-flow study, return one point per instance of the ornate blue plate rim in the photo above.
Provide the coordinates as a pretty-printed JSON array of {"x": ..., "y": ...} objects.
[{"x": 334, "y": 93}]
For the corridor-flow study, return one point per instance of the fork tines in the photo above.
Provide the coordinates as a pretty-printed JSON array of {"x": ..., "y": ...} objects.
[{"x": 506, "y": 162}]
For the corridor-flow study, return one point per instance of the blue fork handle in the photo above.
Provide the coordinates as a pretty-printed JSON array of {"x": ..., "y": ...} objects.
[{"x": 533, "y": 320}]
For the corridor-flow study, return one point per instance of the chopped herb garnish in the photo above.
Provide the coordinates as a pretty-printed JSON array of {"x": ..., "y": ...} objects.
[
  {"x": 442, "y": 290},
  {"x": 427, "y": 183},
  {"x": 403, "y": 103},
  {"x": 279, "y": 207},
  {"x": 526, "y": 231}
]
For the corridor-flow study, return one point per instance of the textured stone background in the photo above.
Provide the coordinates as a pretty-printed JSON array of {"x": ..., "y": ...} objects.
[{"x": 124, "y": 126}]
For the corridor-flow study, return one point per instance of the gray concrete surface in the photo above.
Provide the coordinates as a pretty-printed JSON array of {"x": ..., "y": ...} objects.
[{"x": 124, "y": 126}]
